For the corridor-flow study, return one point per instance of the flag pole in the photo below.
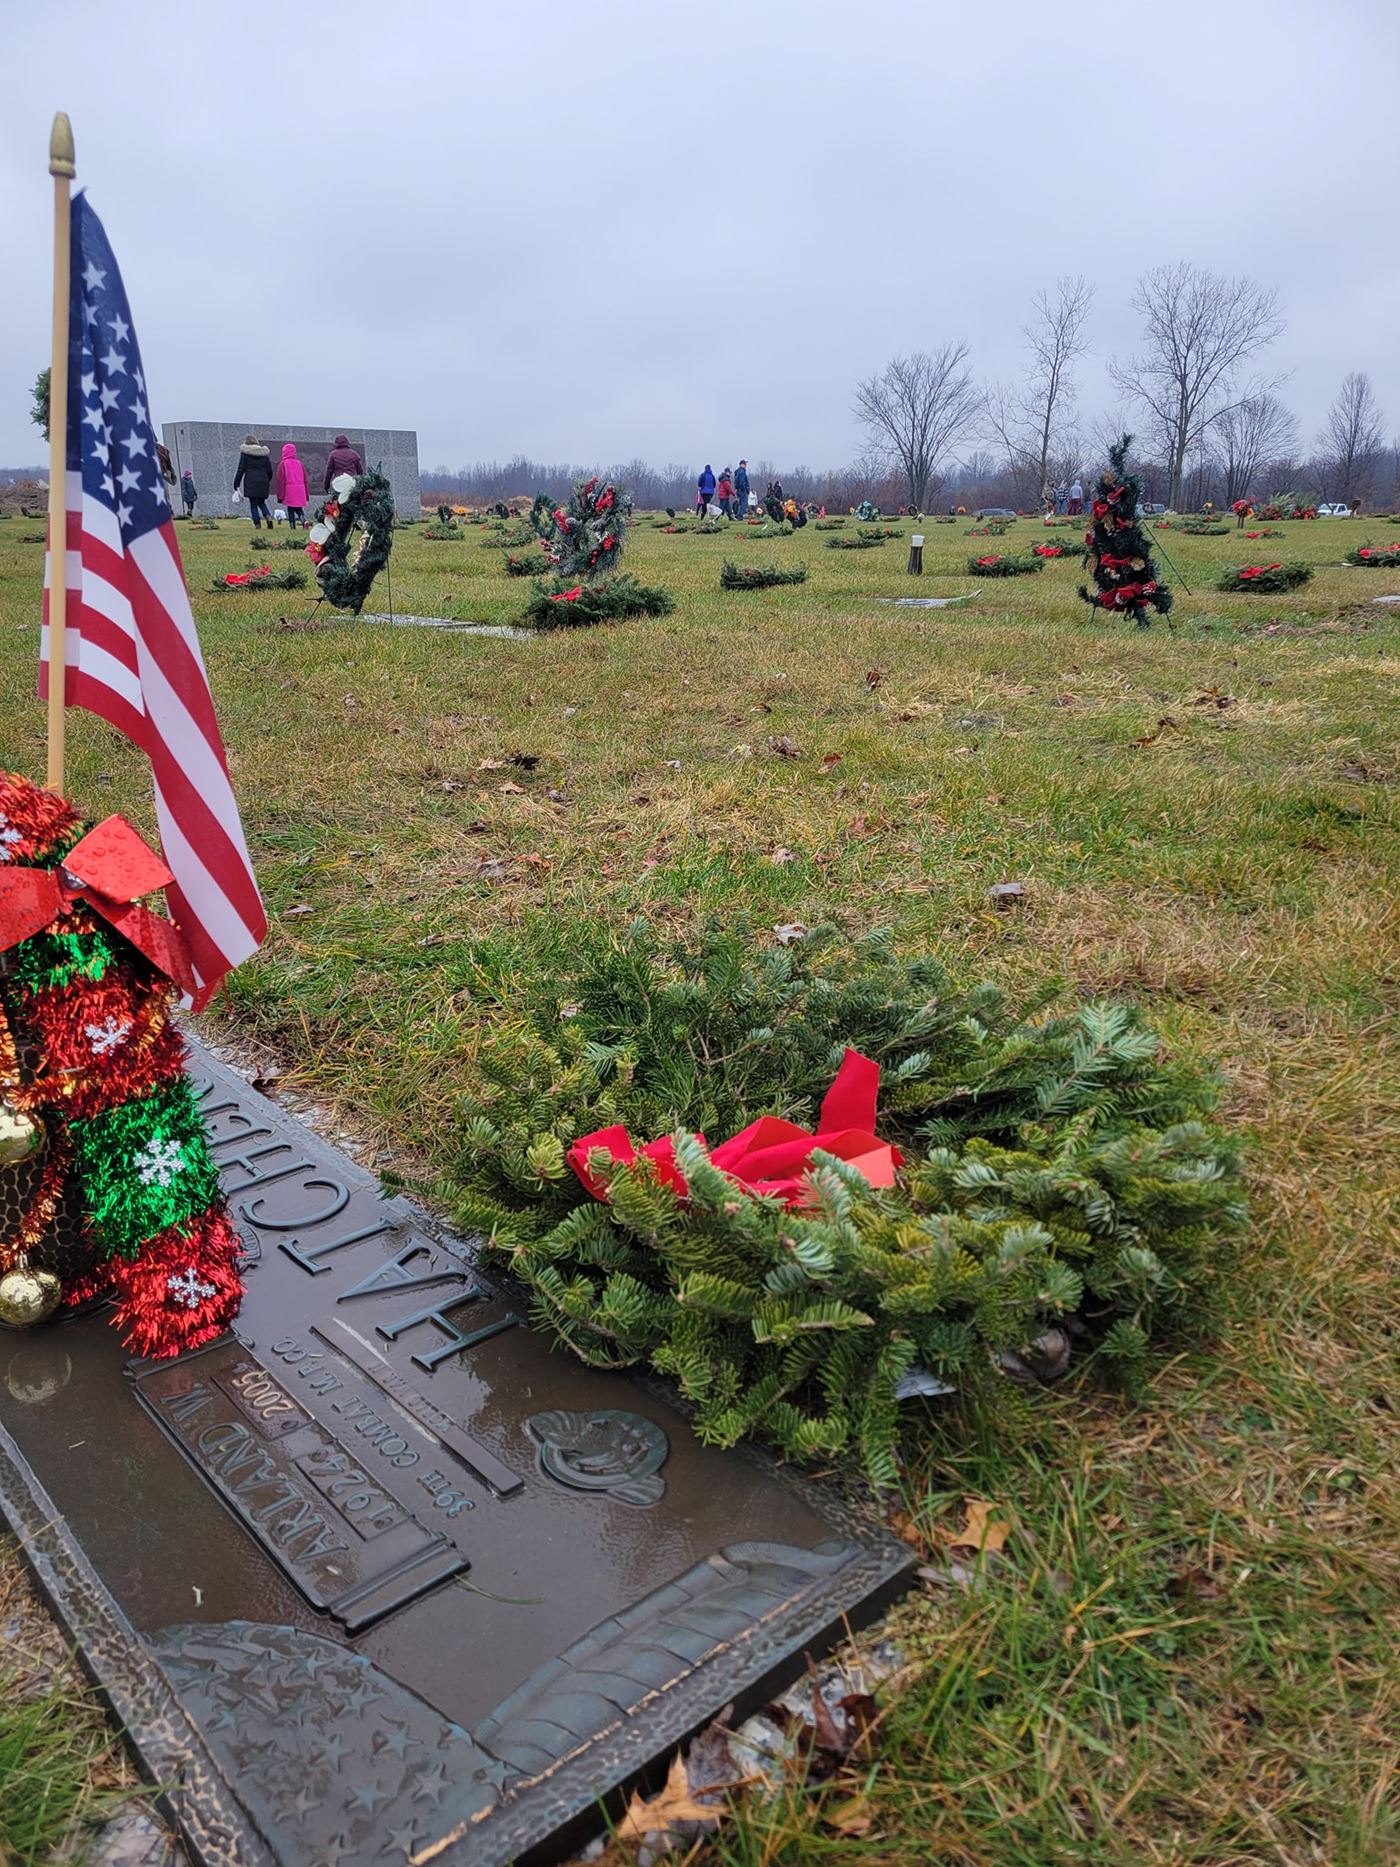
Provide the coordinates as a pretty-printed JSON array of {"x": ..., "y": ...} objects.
[{"x": 61, "y": 167}]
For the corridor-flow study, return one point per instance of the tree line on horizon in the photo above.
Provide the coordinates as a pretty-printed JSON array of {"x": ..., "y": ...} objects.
[{"x": 1209, "y": 423}]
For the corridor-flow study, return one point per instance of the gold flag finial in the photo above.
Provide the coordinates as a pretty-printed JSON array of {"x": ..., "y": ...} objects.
[{"x": 61, "y": 157}]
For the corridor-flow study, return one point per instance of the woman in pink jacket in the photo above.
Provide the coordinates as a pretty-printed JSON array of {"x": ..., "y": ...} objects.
[{"x": 291, "y": 485}]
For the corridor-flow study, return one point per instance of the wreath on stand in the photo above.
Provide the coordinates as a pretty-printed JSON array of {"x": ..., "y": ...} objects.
[
  {"x": 366, "y": 505},
  {"x": 107, "y": 1187}
]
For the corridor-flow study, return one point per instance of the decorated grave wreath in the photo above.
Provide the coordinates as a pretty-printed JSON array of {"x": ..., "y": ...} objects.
[
  {"x": 1375, "y": 557},
  {"x": 758, "y": 576},
  {"x": 1264, "y": 579},
  {"x": 366, "y": 505},
  {"x": 261, "y": 577},
  {"x": 996, "y": 564},
  {"x": 900, "y": 1231},
  {"x": 107, "y": 1187},
  {"x": 582, "y": 539}
]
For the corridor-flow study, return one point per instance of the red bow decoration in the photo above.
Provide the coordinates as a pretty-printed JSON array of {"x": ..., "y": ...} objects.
[
  {"x": 771, "y": 1155},
  {"x": 108, "y": 870}
]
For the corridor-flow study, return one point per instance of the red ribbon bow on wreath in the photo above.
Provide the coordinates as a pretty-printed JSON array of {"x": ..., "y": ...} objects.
[
  {"x": 770, "y": 1156},
  {"x": 108, "y": 870}
]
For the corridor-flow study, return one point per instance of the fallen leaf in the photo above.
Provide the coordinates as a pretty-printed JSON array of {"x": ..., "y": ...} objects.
[
  {"x": 491, "y": 764},
  {"x": 302, "y": 907},
  {"x": 830, "y": 760},
  {"x": 983, "y": 1529},
  {"x": 673, "y": 764},
  {"x": 555, "y": 797},
  {"x": 1006, "y": 894},
  {"x": 1198, "y": 1584},
  {"x": 527, "y": 761},
  {"x": 1063, "y": 700},
  {"x": 570, "y": 1010},
  {"x": 1164, "y": 725},
  {"x": 1213, "y": 697},
  {"x": 476, "y": 826},
  {"x": 852, "y": 1817},
  {"x": 784, "y": 747},
  {"x": 778, "y": 856},
  {"x": 511, "y": 788},
  {"x": 492, "y": 868},
  {"x": 787, "y": 933},
  {"x": 873, "y": 678},
  {"x": 267, "y": 1079},
  {"x": 665, "y": 1812}
]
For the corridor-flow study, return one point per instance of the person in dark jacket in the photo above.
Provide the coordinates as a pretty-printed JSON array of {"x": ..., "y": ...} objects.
[
  {"x": 254, "y": 475},
  {"x": 705, "y": 488},
  {"x": 187, "y": 492},
  {"x": 342, "y": 459},
  {"x": 741, "y": 490}
]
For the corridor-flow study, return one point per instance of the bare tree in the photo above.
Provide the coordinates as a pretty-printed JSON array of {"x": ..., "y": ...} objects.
[
  {"x": 1057, "y": 341},
  {"x": 1256, "y": 429},
  {"x": 1200, "y": 328},
  {"x": 1351, "y": 435},
  {"x": 1026, "y": 422},
  {"x": 916, "y": 408}
]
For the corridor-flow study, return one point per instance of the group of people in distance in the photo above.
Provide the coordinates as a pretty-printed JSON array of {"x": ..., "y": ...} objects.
[
  {"x": 258, "y": 480},
  {"x": 1061, "y": 501},
  {"x": 729, "y": 494},
  {"x": 730, "y": 497}
]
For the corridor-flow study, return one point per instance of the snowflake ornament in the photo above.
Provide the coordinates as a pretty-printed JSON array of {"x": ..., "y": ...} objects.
[
  {"x": 188, "y": 1289},
  {"x": 158, "y": 1163},
  {"x": 107, "y": 1036}
]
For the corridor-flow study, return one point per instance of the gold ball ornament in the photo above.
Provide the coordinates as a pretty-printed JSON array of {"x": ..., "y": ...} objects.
[
  {"x": 27, "y": 1295},
  {"x": 21, "y": 1137}
]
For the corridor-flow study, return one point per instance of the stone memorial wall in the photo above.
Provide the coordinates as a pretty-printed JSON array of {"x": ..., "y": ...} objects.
[{"x": 210, "y": 450}]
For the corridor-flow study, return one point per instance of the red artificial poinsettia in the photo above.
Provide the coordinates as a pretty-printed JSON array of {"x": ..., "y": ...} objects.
[
  {"x": 567, "y": 596},
  {"x": 1048, "y": 551},
  {"x": 984, "y": 562}
]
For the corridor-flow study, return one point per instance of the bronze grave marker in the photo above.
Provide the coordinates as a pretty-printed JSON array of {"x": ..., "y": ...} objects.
[{"x": 384, "y": 1566}]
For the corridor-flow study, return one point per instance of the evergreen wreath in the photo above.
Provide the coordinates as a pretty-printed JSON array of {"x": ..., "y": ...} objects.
[
  {"x": 758, "y": 576},
  {"x": 365, "y": 504},
  {"x": 828, "y": 525},
  {"x": 526, "y": 564},
  {"x": 261, "y": 578},
  {"x": 998, "y": 564},
  {"x": 93, "y": 1068},
  {"x": 858, "y": 543},
  {"x": 583, "y": 538},
  {"x": 1055, "y": 1167},
  {"x": 573, "y": 606},
  {"x": 1374, "y": 557},
  {"x": 447, "y": 532},
  {"x": 878, "y": 532},
  {"x": 1203, "y": 528},
  {"x": 1119, "y": 558},
  {"x": 1264, "y": 579},
  {"x": 1058, "y": 548}
]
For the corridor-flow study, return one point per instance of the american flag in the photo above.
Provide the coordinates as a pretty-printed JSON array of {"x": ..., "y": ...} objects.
[{"x": 132, "y": 651}]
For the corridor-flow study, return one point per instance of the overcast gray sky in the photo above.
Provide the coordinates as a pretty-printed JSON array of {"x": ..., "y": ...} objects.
[{"x": 587, "y": 232}]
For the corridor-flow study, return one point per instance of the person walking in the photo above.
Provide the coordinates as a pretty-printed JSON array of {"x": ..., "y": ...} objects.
[
  {"x": 187, "y": 492},
  {"x": 704, "y": 489},
  {"x": 724, "y": 492},
  {"x": 1076, "y": 499},
  {"x": 254, "y": 475},
  {"x": 741, "y": 490},
  {"x": 291, "y": 485},
  {"x": 341, "y": 459}
]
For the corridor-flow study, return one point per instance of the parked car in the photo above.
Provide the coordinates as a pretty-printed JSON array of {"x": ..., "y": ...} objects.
[
  {"x": 995, "y": 512},
  {"x": 1336, "y": 510},
  {"x": 1151, "y": 509}
]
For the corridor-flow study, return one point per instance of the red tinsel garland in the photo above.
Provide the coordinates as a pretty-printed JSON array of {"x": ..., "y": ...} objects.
[{"x": 109, "y": 1085}]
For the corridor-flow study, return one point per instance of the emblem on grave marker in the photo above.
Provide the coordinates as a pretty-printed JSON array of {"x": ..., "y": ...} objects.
[{"x": 606, "y": 1450}]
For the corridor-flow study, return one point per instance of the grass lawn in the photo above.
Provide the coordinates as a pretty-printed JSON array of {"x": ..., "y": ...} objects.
[{"x": 1186, "y": 1654}]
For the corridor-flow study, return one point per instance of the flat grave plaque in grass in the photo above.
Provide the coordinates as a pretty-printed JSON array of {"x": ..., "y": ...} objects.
[{"x": 384, "y": 1567}]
